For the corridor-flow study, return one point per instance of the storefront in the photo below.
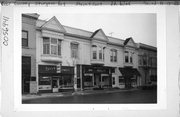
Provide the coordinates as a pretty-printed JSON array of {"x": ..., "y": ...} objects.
[
  {"x": 52, "y": 81},
  {"x": 129, "y": 77},
  {"x": 95, "y": 76}
]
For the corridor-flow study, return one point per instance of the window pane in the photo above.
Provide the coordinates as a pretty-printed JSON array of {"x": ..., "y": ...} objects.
[
  {"x": 100, "y": 54},
  {"x": 46, "y": 45},
  {"x": 59, "y": 47},
  {"x": 45, "y": 48},
  {"x": 94, "y": 48},
  {"x": 131, "y": 59},
  {"x": 24, "y": 34},
  {"x": 24, "y": 38},
  {"x": 115, "y": 56},
  {"x": 24, "y": 42},
  {"x": 44, "y": 80},
  {"x": 126, "y": 57},
  {"x": 54, "y": 49},
  {"x": 111, "y": 56},
  {"x": 94, "y": 55},
  {"x": 45, "y": 40},
  {"x": 74, "y": 50},
  {"x": 53, "y": 41}
]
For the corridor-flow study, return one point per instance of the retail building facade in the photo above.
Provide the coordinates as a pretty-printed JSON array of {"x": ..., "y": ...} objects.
[
  {"x": 148, "y": 64},
  {"x": 74, "y": 59}
]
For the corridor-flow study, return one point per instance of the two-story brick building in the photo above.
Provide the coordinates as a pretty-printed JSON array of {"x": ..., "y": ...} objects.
[
  {"x": 70, "y": 59},
  {"x": 28, "y": 50},
  {"x": 148, "y": 63}
]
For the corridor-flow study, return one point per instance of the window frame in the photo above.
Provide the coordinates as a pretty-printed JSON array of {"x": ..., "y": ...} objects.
[
  {"x": 131, "y": 57},
  {"x": 57, "y": 45},
  {"x": 113, "y": 55},
  {"x": 74, "y": 50},
  {"x": 25, "y": 38},
  {"x": 126, "y": 57},
  {"x": 94, "y": 52},
  {"x": 100, "y": 53}
]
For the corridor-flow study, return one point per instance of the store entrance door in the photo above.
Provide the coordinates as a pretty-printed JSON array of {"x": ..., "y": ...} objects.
[
  {"x": 97, "y": 80},
  {"x": 26, "y": 74},
  {"x": 55, "y": 85}
]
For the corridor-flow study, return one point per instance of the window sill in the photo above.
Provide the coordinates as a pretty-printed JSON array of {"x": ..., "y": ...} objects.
[{"x": 51, "y": 55}]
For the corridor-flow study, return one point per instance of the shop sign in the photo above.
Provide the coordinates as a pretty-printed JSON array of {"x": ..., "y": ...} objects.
[
  {"x": 47, "y": 69},
  {"x": 88, "y": 70},
  {"x": 67, "y": 70},
  {"x": 44, "y": 87},
  {"x": 97, "y": 70},
  {"x": 59, "y": 68}
]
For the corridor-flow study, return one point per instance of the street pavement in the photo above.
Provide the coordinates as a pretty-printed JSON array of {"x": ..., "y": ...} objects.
[{"x": 94, "y": 97}]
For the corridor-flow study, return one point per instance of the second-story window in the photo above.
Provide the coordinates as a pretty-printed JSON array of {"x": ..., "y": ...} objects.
[
  {"x": 113, "y": 55},
  {"x": 100, "y": 53},
  {"x": 94, "y": 52},
  {"x": 24, "y": 38},
  {"x": 74, "y": 50},
  {"x": 126, "y": 57},
  {"x": 140, "y": 59},
  {"x": 51, "y": 46},
  {"x": 131, "y": 57},
  {"x": 46, "y": 45},
  {"x": 103, "y": 52},
  {"x": 54, "y": 46},
  {"x": 144, "y": 60}
]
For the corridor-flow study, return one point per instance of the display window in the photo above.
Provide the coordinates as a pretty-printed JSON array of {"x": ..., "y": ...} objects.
[
  {"x": 88, "y": 81},
  {"x": 44, "y": 80},
  {"x": 66, "y": 81}
]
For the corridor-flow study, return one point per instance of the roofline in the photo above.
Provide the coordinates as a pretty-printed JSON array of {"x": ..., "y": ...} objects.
[
  {"x": 78, "y": 36},
  {"x": 31, "y": 16},
  {"x": 77, "y": 28},
  {"x": 115, "y": 44},
  {"x": 140, "y": 45},
  {"x": 147, "y": 47}
]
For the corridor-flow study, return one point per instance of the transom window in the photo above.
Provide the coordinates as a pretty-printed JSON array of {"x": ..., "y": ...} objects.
[
  {"x": 113, "y": 55},
  {"x": 24, "y": 38},
  {"x": 51, "y": 46}
]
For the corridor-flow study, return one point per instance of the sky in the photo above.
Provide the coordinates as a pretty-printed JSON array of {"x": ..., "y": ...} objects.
[{"x": 140, "y": 26}]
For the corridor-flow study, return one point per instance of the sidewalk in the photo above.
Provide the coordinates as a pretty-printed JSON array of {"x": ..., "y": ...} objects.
[{"x": 65, "y": 94}]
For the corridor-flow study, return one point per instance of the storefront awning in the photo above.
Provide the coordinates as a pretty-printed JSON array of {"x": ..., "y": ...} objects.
[{"x": 129, "y": 72}]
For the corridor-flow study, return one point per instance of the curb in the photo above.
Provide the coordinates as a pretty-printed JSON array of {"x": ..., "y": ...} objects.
[{"x": 76, "y": 94}]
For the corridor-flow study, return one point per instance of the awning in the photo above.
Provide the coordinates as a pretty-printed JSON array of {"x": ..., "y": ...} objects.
[{"x": 129, "y": 72}]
